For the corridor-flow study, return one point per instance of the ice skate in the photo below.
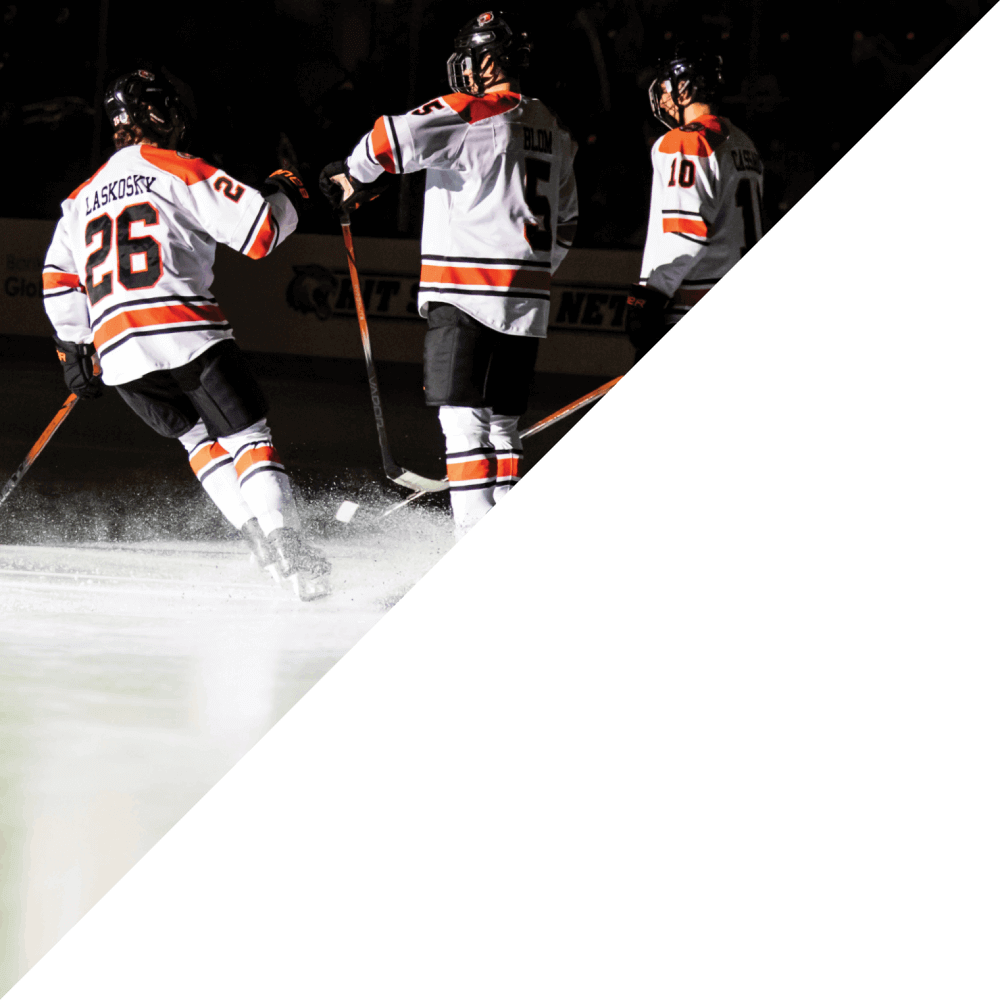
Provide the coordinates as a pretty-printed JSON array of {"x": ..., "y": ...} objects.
[
  {"x": 262, "y": 552},
  {"x": 304, "y": 568}
]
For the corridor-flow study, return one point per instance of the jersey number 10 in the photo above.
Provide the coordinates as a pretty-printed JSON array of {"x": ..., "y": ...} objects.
[{"x": 129, "y": 247}]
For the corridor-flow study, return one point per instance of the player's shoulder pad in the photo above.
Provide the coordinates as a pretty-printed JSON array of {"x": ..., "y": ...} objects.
[
  {"x": 72, "y": 195},
  {"x": 187, "y": 168},
  {"x": 476, "y": 109},
  {"x": 700, "y": 138}
]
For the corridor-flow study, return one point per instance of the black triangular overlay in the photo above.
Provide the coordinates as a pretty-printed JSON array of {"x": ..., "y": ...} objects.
[{"x": 709, "y": 548}]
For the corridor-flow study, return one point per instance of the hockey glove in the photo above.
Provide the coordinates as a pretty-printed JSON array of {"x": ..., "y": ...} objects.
[
  {"x": 78, "y": 368},
  {"x": 344, "y": 192},
  {"x": 290, "y": 185},
  {"x": 645, "y": 319}
]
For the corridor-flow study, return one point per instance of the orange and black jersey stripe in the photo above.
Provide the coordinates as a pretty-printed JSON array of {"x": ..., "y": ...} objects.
[{"x": 495, "y": 276}]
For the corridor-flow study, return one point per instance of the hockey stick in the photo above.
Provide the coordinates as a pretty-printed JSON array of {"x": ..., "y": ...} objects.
[
  {"x": 395, "y": 472},
  {"x": 552, "y": 418},
  {"x": 36, "y": 448}
]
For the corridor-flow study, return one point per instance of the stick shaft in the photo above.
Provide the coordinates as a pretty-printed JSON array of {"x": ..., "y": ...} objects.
[
  {"x": 392, "y": 470},
  {"x": 36, "y": 448},
  {"x": 554, "y": 418}
]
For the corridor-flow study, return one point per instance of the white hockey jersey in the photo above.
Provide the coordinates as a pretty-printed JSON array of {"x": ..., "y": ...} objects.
[
  {"x": 130, "y": 264},
  {"x": 500, "y": 202},
  {"x": 705, "y": 212}
]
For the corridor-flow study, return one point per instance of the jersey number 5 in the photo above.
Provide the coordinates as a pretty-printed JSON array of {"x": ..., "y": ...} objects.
[
  {"x": 131, "y": 250},
  {"x": 538, "y": 235}
]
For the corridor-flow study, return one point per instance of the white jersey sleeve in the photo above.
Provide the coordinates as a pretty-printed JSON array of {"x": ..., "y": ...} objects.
[
  {"x": 231, "y": 213},
  {"x": 429, "y": 136},
  {"x": 63, "y": 293},
  {"x": 704, "y": 212},
  {"x": 500, "y": 201},
  {"x": 130, "y": 264}
]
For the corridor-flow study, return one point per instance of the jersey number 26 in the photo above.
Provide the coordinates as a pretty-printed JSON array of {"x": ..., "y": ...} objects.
[{"x": 131, "y": 250}]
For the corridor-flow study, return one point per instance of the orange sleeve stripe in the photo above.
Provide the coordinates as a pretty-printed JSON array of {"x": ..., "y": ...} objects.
[
  {"x": 265, "y": 237},
  {"x": 161, "y": 315},
  {"x": 495, "y": 277},
  {"x": 463, "y": 472},
  {"x": 58, "y": 279},
  {"x": 382, "y": 148},
  {"x": 207, "y": 454},
  {"x": 189, "y": 169},
  {"x": 696, "y": 227},
  {"x": 256, "y": 456}
]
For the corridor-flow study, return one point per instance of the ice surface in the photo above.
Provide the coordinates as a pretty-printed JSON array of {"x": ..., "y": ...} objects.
[{"x": 133, "y": 675}]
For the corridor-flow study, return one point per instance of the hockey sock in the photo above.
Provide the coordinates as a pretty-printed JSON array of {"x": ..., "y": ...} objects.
[
  {"x": 472, "y": 466},
  {"x": 213, "y": 466},
  {"x": 507, "y": 442},
  {"x": 263, "y": 482}
]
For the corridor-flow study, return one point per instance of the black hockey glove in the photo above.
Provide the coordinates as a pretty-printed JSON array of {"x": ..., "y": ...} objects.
[
  {"x": 645, "y": 318},
  {"x": 78, "y": 368},
  {"x": 290, "y": 185},
  {"x": 346, "y": 193}
]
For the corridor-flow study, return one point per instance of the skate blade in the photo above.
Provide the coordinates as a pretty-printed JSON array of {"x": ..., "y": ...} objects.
[{"x": 309, "y": 588}]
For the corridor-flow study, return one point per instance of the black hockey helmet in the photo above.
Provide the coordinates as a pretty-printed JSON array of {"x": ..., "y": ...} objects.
[
  {"x": 490, "y": 33},
  {"x": 147, "y": 101},
  {"x": 690, "y": 62}
]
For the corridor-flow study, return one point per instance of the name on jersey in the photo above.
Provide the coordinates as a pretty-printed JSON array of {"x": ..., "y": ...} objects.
[
  {"x": 537, "y": 140},
  {"x": 127, "y": 187},
  {"x": 746, "y": 159}
]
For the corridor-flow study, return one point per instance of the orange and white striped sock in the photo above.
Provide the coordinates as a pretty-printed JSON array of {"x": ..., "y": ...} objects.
[
  {"x": 213, "y": 466},
  {"x": 471, "y": 461},
  {"x": 263, "y": 482},
  {"x": 507, "y": 443}
]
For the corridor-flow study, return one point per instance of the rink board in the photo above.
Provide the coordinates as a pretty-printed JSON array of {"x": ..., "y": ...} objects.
[{"x": 299, "y": 300}]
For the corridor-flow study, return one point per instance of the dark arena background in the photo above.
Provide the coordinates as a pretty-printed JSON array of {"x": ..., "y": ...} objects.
[{"x": 140, "y": 655}]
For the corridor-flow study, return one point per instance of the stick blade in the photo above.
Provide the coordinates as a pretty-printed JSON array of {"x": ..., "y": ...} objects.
[{"x": 420, "y": 484}]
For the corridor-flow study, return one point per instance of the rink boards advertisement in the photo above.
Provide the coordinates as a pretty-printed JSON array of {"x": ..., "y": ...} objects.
[{"x": 299, "y": 300}]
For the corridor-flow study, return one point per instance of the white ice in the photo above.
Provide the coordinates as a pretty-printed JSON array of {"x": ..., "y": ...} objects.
[{"x": 131, "y": 679}]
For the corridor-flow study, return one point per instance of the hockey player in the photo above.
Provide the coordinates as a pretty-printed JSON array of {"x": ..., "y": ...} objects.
[
  {"x": 126, "y": 285},
  {"x": 705, "y": 212},
  {"x": 500, "y": 211}
]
